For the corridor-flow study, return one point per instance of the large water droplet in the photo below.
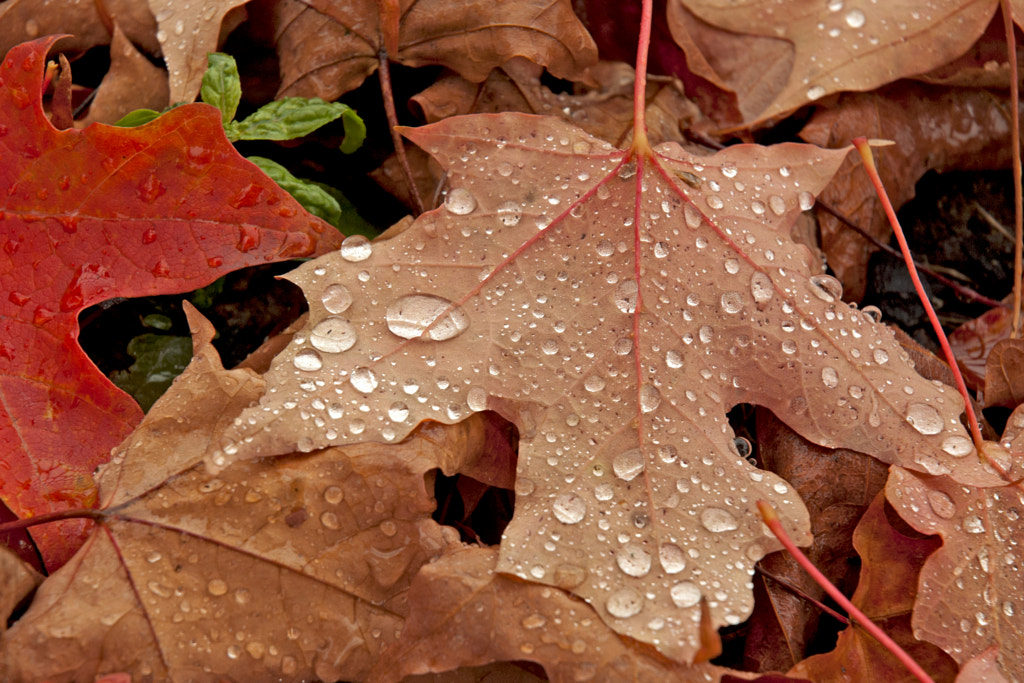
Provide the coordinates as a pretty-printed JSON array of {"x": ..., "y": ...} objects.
[
  {"x": 718, "y": 520},
  {"x": 974, "y": 525},
  {"x": 409, "y": 316},
  {"x": 732, "y": 302},
  {"x": 628, "y": 464},
  {"x": 855, "y": 18},
  {"x": 363, "y": 379},
  {"x": 217, "y": 587},
  {"x": 308, "y": 360},
  {"x": 685, "y": 594},
  {"x": 650, "y": 398},
  {"x": 806, "y": 200},
  {"x": 624, "y": 603},
  {"x": 633, "y": 559},
  {"x": 692, "y": 216},
  {"x": 826, "y": 288},
  {"x": 336, "y": 298},
  {"x": 509, "y": 213},
  {"x": 594, "y": 383},
  {"x": 569, "y": 508},
  {"x": 625, "y": 296},
  {"x": 672, "y": 558},
  {"x": 398, "y": 412},
  {"x": 941, "y": 504},
  {"x": 880, "y": 356},
  {"x": 673, "y": 359},
  {"x": 958, "y": 446},
  {"x": 476, "y": 399},
  {"x": 356, "y": 248},
  {"x": 829, "y": 377},
  {"x": 333, "y": 335},
  {"x": 777, "y": 204},
  {"x": 761, "y": 287},
  {"x": 924, "y": 418},
  {"x": 460, "y": 201}
]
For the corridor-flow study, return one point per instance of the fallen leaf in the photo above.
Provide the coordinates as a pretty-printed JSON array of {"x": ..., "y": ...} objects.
[
  {"x": 983, "y": 667},
  {"x": 94, "y": 214},
  {"x": 17, "y": 581},
  {"x": 970, "y": 593},
  {"x": 974, "y": 340},
  {"x": 131, "y": 83},
  {"x": 541, "y": 290},
  {"x": 1004, "y": 374},
  {"x": 886, "y": 592},
  {"x": 296, "y": 567},
  {"x": 837, "y": 48},
  {"x": 327, "y": 48}
]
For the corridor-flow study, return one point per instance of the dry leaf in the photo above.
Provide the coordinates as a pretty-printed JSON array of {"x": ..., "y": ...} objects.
[
  {"x": 974, "y": 340},
  {"x": 17, "y": 581},
  {"x": 970, "y": 592},
  {"x": 131, "y": 83},
  {"x": 1004, "y": 374}
]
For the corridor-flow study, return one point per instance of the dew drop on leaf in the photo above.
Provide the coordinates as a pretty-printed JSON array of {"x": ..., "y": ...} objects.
[
  {"x": 460, "y": 201},
  {"x": 594, "y": 383},
  {"x": 974, "y": 525},
  {"x": 628, "y": 464},
  {"x": 622, "y": 346},
  {"x": 336, "y": 298},
  {"x": 524, "y": 486},
  {"x": 625, "y": 296},
  {"x": 334, "y": 495},
  {"x": 569, "y": 508},
  {"x": 674, "y": 359},
  {"x": 333, "y": 335},
  {"x": 217, "y": 587},
  {"x": 604, "y": 492},
  {"x": 411, "y": 315},
  {"x": 509, "y": 213},
  {"x": 881, "y": 356},
  {"x": 761, "y": 287},
  {"x": 924, "y": 418},
  {"x": 692, "y": 216},
  {"x": 826, "y": 288},
  {"x": 650, "y": 398},
  {"x": 356, "y": 248},
  {"x": 718, "y": 520},
  {"x": 732, "y": 302},
  {"x": 805, "y": 200},
  {"x": 363, "y": 379},
  {"x": 633, "y": 560},
  {"x": 308, "y": 360},
  {"x": 476, "y": 399},
  {"x": 398, "y": 412},
  {"x": 941, "y": 504},
  {"x": 624, "y": 603},
  {"x": 829, "y": 377},
  {"x": 672, "y": 558},
  {"x": 685, "y": 594},
  {"x": 958, "y": 446}
]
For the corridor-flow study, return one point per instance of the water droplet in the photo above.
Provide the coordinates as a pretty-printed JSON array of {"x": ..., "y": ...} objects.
[
  {"x": 718, "y": 520},
  {"x": 622, "y": 346},
  {"x": 628, "y": 464},
  {"x": 732, "y": 302},
  {"x": 243, "y": 596},
  {"x": 308, "y": 360},
  {"x": 674, "y": 359},
  {"x": 333, "y": 335},
  {"x": 924, "y": 418},
  {"x": 673, "y": 560},
  {"x": 806, "y": 200},
  {"x": 409, "y": 316},
  {"x": 534, "y": 621},
  {"x": 234, "y": 652},
  {"x": 604, "y": 492},
  {"x": 941, "y": 504},
  {"x": 524, "y": 486},
  {"x": 356, "y": 248},
  {"x": 650, "y": 398},
  {"x": 732, "y": 266},
  {"x": 761, "y": 287},
  {"x": 706, "y": 334},
  {"x": 958, "y": 446},
  {"x": 569, "y": 508},
  {"x": 217, "y": 587},
  {"x": 829, "y": 377},
  {"x": 789, "y": 347},
  {"x": 330, "y": 520},
  {"x": 334, "y": 495},
  {"x": 826, "y": 288},
  {"x": 626, "y": 295},
  {"x": 476, "y": 399},
  {"x": 1008, "y": 608},
  {"x": 336, "y": 298},
  {"x": 855, "y": 18},
  {"x": 715, "y": 202},
  {"x": 460, "y": 201},
  {"x": 692, "y": 216},
  {"x": 398, "y": 412},
  {"x": 624, "y": 603},
  {"x": 633, "y": 560},
  {"x": 815, "y": 92},
  {"x": 363, "y": 379},
  {"x": 974, "y": 525},
  {"x": 685, "y": 594},
  {"x": 594, "y": 383},
  {"x": 509, "y": 213},
  {"x": 880, "y": 356},
  {"x": 159, "y": 589},
  {"x": 777, "y": 204}
]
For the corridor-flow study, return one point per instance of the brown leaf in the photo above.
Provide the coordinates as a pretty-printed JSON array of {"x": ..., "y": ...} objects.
[
  {"x": 17, "y": 581},
  {"x": 1004, "y": 374},
  {"x": 464, "y": 613},
  {"x": 970, "y": 593},
  {"x": 837, "y": 47},
  {"x": 983, "y": 667},
  {"x": 886, "y": 592},
  {"x": 540, "y": 290},
  {"x": 131, "y": 83},
  {"x": 327, "y": 48},
  {"x": 933, "y": 127},
  {"x": 974, "y": 340}
]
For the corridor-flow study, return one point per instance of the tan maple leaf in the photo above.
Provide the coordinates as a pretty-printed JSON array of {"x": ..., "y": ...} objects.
[{"x": 613, "y": 306}]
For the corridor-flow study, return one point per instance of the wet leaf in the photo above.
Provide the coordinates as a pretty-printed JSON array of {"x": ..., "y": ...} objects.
[
  {"x": 132, "y": 83},
  {"x": 17, "y": 581},
  {"x": 613, "y": 309},
  {"x": 94, "y": 214},
  {"x": 1004, "y": 374},
  {"x": 159, "y": 358}
]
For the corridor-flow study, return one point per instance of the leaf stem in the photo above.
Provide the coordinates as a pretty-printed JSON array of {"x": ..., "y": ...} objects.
[
  {"x": 772, "y": 520},
  {"x": 384, "y": 73},
  {"x": 869, "y": 164},
  {"x": 641, "y": 145},
  {"x": 46, "y": 518}
]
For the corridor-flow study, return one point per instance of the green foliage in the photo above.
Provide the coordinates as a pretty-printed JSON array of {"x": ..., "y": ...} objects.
[
  {"x": 137, "y": 118},
  {"x": 222, "y": 86},
  {"x": 159, "y": 358}
]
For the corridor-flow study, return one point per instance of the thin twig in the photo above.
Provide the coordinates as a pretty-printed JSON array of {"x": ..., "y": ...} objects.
[{"x": 384, "y": 72}]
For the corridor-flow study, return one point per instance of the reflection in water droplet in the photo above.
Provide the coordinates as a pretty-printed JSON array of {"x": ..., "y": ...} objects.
[
  {"x": 334, "y": 495},
  {"x": 777, "y": 204},
  {"x": 509, "y": 213},
  {"x": 924, "y": 418},
  {"x": 806, "y": 200},
  {"x": 672, "y": 558},
  {"x": 673, "y": 359},
  {"x": 336, "y": 298},
  {"x": 761, "y": 287},
  {"x": 941, "y": 504},
  {"x": 650, "y": 398},
  {"x": 594, "y": 383},
  {"x": 410, "y": 315},
  {"x": 815, "y": 92},
  {"x": 625, "y": 296},
  {"x": 829, "y": 377},
  {"x": 333, "y": 335},
  {"x": 974, "y": 525},
  {"x": 628, "y": 464},
  {"x": 880, "y": 356},
  {"x": 622, "y": 346},
  {"x": 398, "y": 412},
  {"x": 855, "y": 18},
  {"x": 685, "y": 594},
  {"x": 958, "y": 446},
  {"x": 363, "y": 379},
  {"x": 329, "y": 520},
  {"x": 569, "y": 508},
  {"x": 460, "y": 201},
  {"x": 476, "y": 399},
  {"x": 356, "y": 248},
  {"x": 604, "y": 492},
  {"x": 718, "y": 520},
  {"x": 624, "y": 603},
  {"x": 524, "y": 486},
  {"x": 692, "y": 216},
  {"x": 732, "y": 302},
  {"x": 308, "y": 360},
  {"x": 633, "y": 560},
  {"x": 217, "y": 587}
]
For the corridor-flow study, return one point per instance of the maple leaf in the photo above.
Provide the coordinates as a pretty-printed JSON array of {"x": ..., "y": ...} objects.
[
  {"x": 826, "y": 47},
  {"x": 970, "y": 594},
  {"x": 614, "y": 307},
  {"x": 293, "y": 568},
  {"x": 131, "y": 83},
  {"x": 94, "y": 214},
  {"x": 327, "y": 48}
]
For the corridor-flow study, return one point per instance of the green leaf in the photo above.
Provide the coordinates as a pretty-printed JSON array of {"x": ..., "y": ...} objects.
[
  {"x": 355, "y": 131},
  {"x": 312, "y": 197},
  {"x": 159, "y": 358},
  {"x": 158, "y": 321},
  {"x": 137, "y": 118},
  {"x": 221, "y": 85},
  {"x": 351, "y": 222},
  {"x": 290, "y": 118}
]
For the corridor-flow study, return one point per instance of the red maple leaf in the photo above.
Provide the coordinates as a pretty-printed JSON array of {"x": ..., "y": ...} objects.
[{"x": 86, "y": 215}]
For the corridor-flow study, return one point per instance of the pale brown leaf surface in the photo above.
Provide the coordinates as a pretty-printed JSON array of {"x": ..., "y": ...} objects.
[
  {"x": 983, "y": 667},
  {"x": 840, "y": 47},
  {"x": 886, "y": 593},
  {"x": 132, "y": 82},
  {"x": 619, "y": 386},
  {"x": 17, "y": 581},
  {"x": 934, "y": 128},
  {"x": 327, "y": 47},
  {"x": 296, "y": 567},
  {"x": 464, "y": 613},
  {"x": 970, "y": 592},
  {"x": 1004, "y": 374},
  {"x": 974, "y": 340}
]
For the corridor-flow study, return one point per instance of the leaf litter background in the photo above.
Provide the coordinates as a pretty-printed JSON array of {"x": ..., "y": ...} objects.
[{"x": 630, "y": 493}]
